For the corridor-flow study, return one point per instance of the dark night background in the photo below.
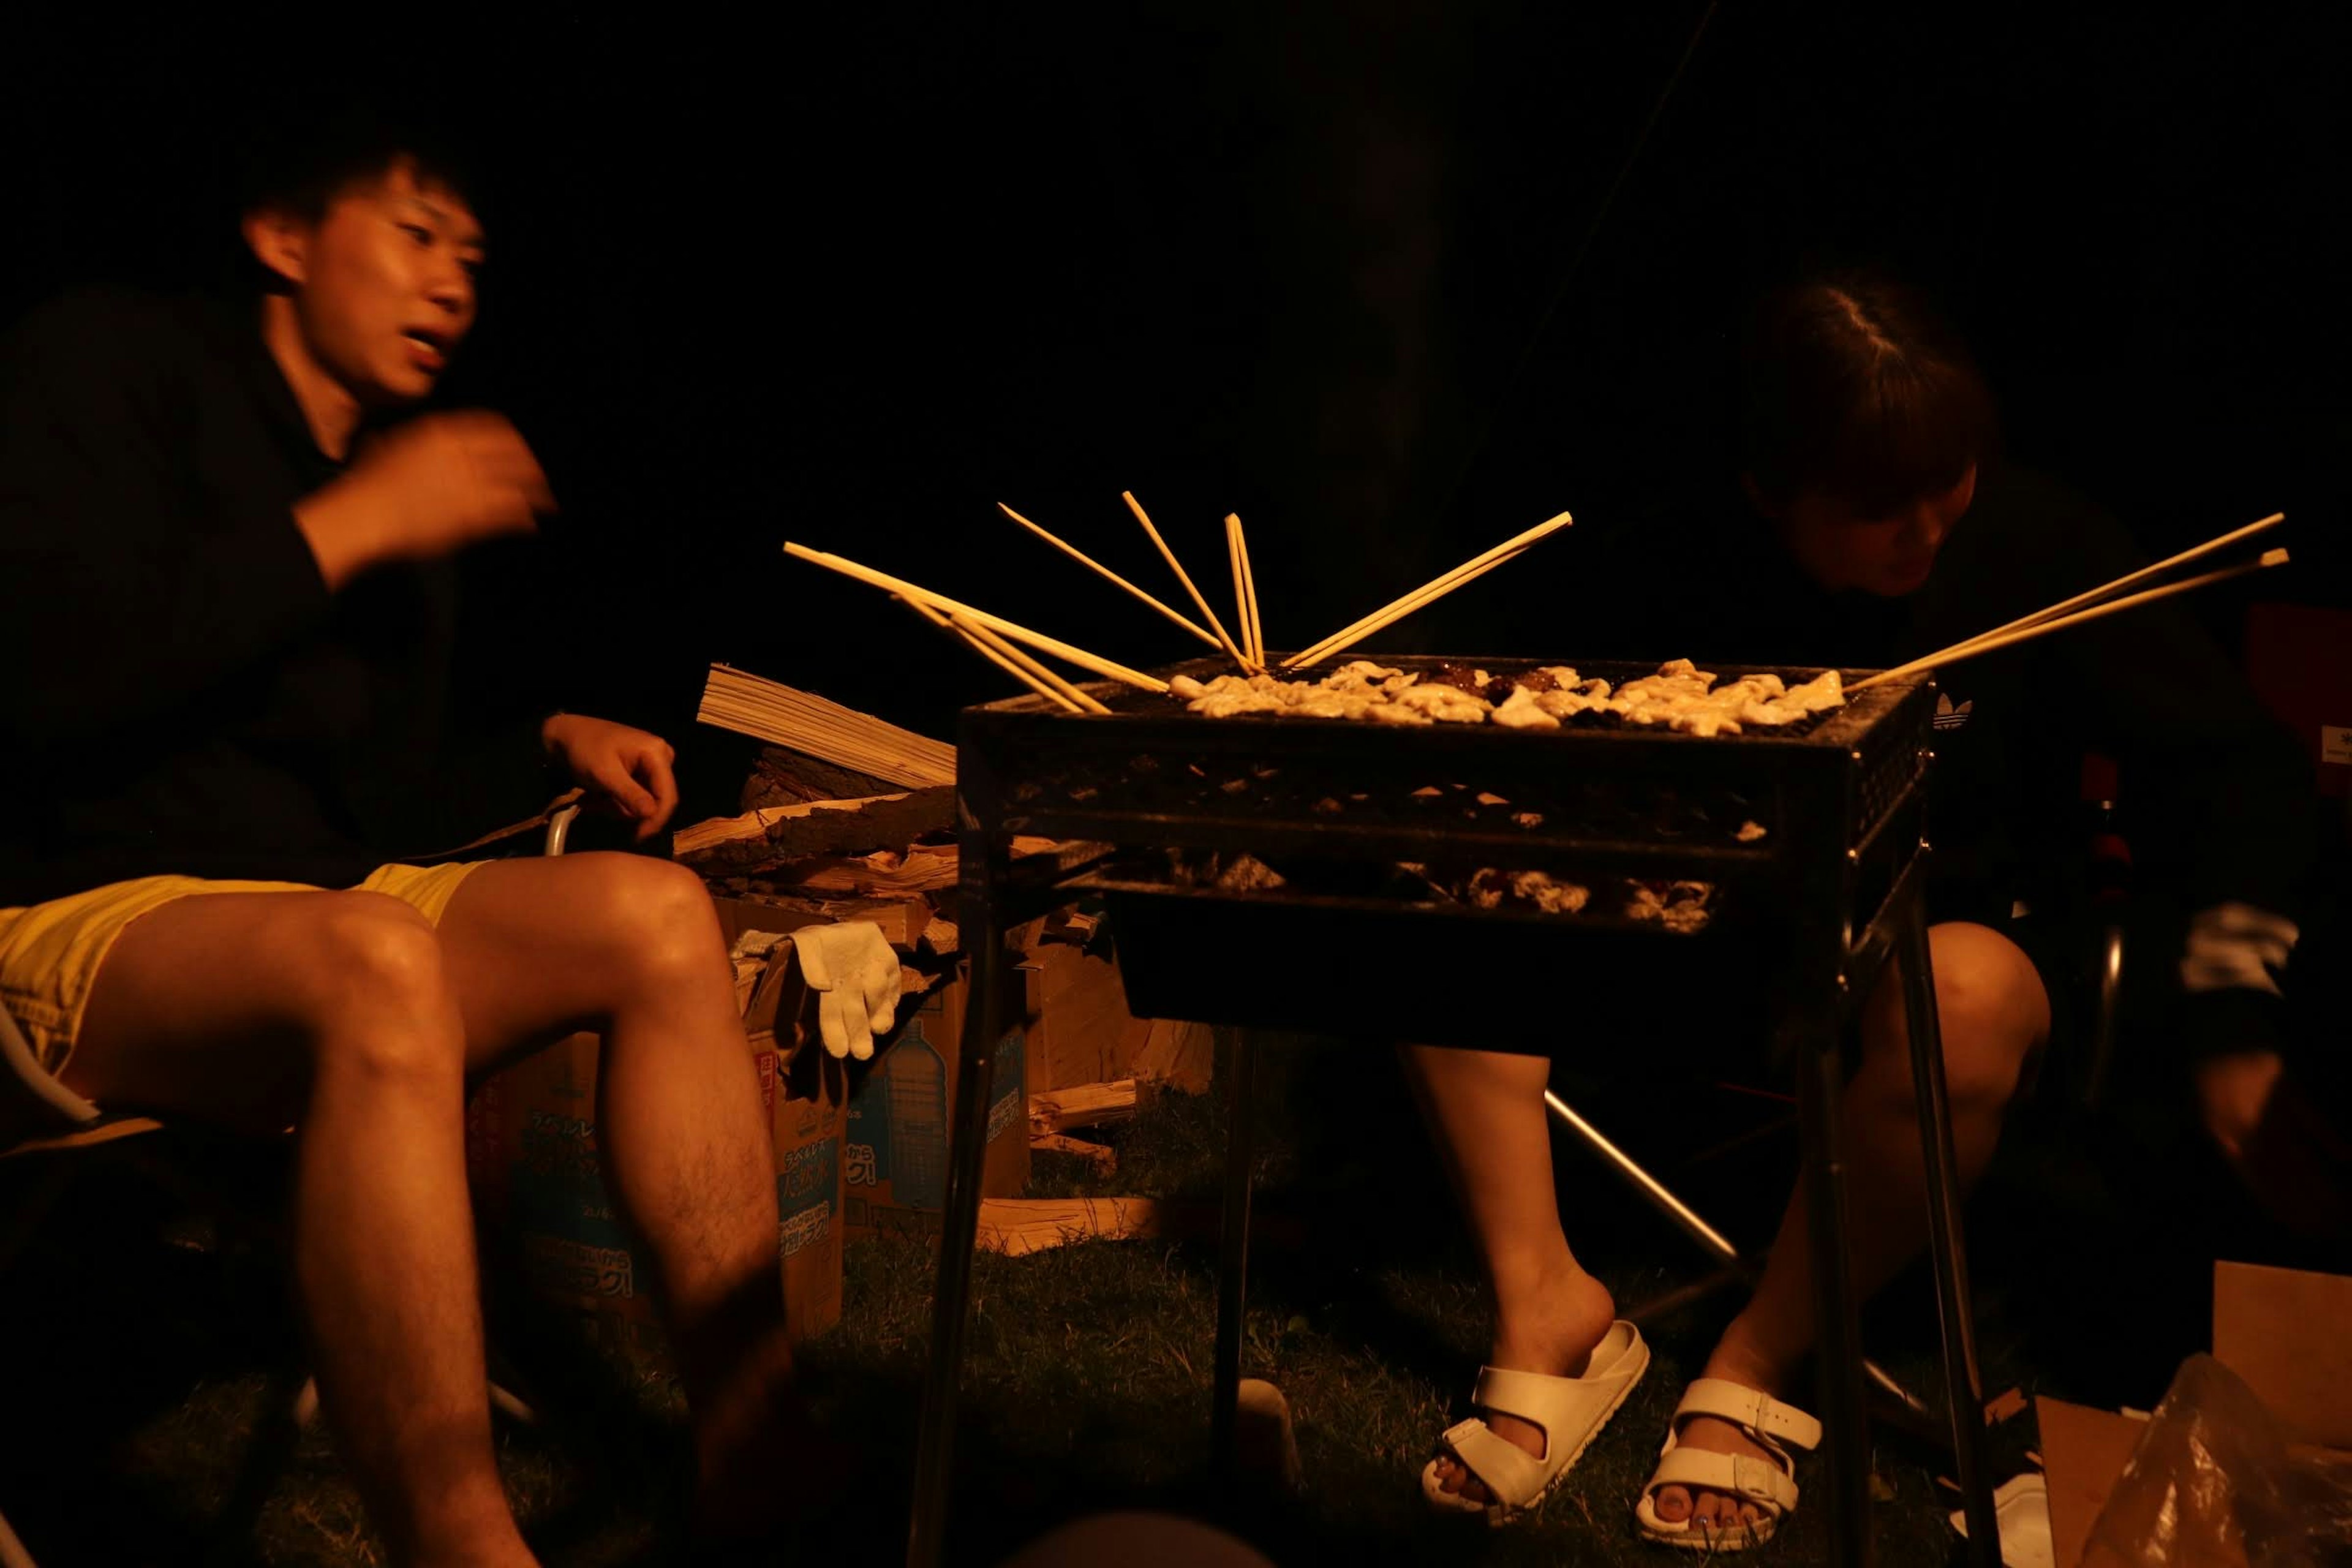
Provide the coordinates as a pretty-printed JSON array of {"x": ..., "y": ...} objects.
[{"x": 850, "y": 279}]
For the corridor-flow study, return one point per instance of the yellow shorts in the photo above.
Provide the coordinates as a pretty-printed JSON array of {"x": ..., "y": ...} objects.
[{"x": 49, "y": 953}]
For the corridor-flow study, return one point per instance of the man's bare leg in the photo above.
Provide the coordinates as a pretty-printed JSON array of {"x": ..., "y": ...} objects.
[
  {"x": 630, "y": 947},
  {"x": 1991, "y": 1011},
  {"x": 1487, "y": 1112},
  {"x": 332, "y": 1011}
]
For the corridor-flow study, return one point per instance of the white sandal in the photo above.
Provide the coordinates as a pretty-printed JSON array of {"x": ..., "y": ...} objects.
[
  {"x": 1571, "y": 1411},
  {"x": 1770, "y": 1484}
]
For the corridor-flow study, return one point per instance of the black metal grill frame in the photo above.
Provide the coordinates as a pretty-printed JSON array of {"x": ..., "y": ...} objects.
[
  {"x": 1842, "y": 801},
  {"x": 1835, "y": 886}
]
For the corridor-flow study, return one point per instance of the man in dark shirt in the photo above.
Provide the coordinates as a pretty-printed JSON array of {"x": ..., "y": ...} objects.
[{"x": 225, "y": 639}]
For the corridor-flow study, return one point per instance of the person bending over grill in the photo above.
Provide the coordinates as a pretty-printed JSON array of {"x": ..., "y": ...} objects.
[
  {"x": 1879, "y": 523},
  {"x": 225, "y": 631}
]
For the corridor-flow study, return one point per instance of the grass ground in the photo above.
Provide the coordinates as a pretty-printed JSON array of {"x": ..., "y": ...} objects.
[{"x": 143, "y": 1376}]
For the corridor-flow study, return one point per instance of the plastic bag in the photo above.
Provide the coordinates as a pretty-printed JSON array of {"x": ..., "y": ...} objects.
[{"x": 2214, "y": 1484}]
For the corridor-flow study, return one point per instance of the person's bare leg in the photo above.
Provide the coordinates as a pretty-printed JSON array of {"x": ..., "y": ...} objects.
[
  {"x": 630, "y": 947},
  {"x": 1991, "y": 1011},
  {"x": 1485, "y": 1111},
  {"x": 330, "y": 1011}
]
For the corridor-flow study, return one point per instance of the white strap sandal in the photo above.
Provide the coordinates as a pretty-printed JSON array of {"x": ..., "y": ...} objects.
[
  {"x": 1570, "y": 1410},
  {"x": 1768, "y": 1483}
]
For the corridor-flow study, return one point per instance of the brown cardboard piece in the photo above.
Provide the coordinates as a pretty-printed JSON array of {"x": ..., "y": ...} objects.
[
  {"x": 2280, "y": 1330},
  {"x": 2289, "y": 1335},
  {"x": 901, "y": 1107},
  {"x": 1089, "y": 1035},
  {"x": 2084, "y": 1450}
]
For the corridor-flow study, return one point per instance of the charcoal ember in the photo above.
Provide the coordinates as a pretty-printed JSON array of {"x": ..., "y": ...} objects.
[{"x": 1248, "y": 874}]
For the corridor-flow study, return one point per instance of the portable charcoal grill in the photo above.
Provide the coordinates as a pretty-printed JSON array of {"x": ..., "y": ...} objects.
[{"x": 1155, "y": 805}]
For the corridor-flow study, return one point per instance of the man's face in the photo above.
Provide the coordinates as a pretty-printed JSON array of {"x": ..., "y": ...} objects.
[
  {"x": 386, "y": 290},
  {"x": 1889, "y": 555}
]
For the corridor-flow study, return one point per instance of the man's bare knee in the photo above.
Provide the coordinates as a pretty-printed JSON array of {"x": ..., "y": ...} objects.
[
  {"x": 658, "y": 917},
  {"x": 370, "y": 996}
]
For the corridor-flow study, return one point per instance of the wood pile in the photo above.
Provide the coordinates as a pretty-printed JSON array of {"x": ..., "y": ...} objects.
[{"x": 846, "y": 817}]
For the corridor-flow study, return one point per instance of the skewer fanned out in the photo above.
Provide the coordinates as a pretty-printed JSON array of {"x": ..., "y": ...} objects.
[
  {"x": 1257, "y": 633},
  {"x": 941, "y": 602},
  {"x": 2041, "y": 623},
  {"x": 2108, "y": 590},
  {"x": 1427, "y": 593},
  {"x": 1083, "y": 559},
  {"x": 1231, "y": 647}
]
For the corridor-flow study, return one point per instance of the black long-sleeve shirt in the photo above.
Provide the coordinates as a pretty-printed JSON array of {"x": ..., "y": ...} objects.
[
  {"x": 2218, "y": 795},
  {"x": 179, "y": 690}
]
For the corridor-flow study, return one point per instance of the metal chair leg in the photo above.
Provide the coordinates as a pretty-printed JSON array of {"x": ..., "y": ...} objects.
[
  {"x": 1964, "y": 1383},
  {"x": 1837, "y": 1324},
  {"x": 1239, "y": 1073},
  {"x": 959, "y": 1234}
]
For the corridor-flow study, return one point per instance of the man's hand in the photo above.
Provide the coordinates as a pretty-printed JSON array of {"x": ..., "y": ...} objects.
[
  {"x": 428, "y": 488},
  {"x": 625, "y": 772}
]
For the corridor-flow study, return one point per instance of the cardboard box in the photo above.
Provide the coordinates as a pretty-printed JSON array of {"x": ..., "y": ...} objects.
[
  {"x": 2280, "y": 1330},
  {"x": 1086, "y": 1035},
  {"x": 896, "y": 1171},
  {"x": 537, "y": 1169}
]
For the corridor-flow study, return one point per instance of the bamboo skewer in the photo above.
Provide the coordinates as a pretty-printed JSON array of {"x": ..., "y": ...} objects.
[
  {"x": 1052, "y": 678},
  {"x": 1341, "y": 642},
  {"x": 1037, "y": 640},
  {"x": 1992, "y": 640},
  {"x": 961, "y": 632},
  {"x": 1436, "y": 588},
  {"x": 1249, "y": 589},
  {"x": 1240, "y": 594},
  {"x": 1185, "y": 577},
  {"x": 1083, "y": 559},
  {"x": 2107, "y": 590}
]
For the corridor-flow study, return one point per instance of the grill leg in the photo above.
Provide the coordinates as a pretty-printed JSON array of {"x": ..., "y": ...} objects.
[
  {"x": 959, "y": 1230},
  {"x": 1963, "y": 1383},
  {"x": 1846, "y": 1422},
  {"x": 1239, "y": 1068},
  {"x": 1910, "y": 1410}
]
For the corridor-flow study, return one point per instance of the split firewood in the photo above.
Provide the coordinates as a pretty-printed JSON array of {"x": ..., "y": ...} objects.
[
  {"x": 885, "y": 873},
  {"x": 785, "y": 777},
  {"x": 1081, "y": 1105},
  {"x": 1018, "y": 1226},
  {"x": 902, "y": 920},
  {"x": 778, "y": 835},
  {"x": 1101, "y": 1157},
  {"x": 770, "y": 710}
]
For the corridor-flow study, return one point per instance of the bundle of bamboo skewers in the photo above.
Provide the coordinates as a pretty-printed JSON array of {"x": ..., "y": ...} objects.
[{"x": 994, "y": 638}]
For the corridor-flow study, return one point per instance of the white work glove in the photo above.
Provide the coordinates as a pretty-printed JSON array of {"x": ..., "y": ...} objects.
[{"x": 851, "y": 968}]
